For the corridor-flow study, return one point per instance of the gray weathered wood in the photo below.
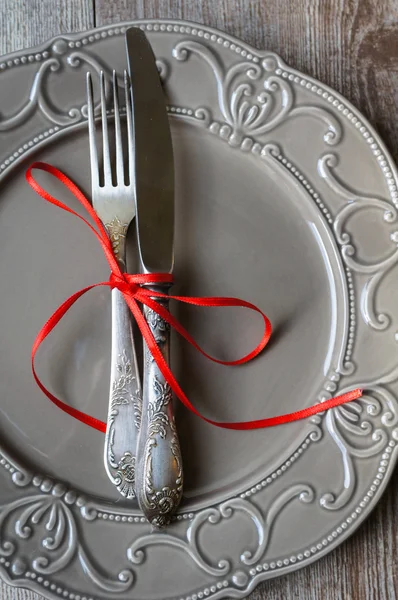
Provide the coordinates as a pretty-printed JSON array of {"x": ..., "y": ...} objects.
[
  {"x": 30, "y": 22},
  {"x": 351, "y": 45}
]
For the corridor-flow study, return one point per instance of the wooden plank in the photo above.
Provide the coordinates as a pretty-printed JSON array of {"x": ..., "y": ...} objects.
[
  {"x": 351, "y": 46},
  {"x": 30, "y": 22}
]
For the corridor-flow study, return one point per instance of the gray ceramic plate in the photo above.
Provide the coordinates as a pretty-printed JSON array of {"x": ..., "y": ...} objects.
[{"x": 286, "y": 197}]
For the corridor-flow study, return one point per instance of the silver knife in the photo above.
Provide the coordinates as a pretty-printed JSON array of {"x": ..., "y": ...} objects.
[{"x": 159, "y": 475}]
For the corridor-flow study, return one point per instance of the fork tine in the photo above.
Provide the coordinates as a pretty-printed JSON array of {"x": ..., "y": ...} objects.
[
  {"x": 105, "y": 137},
  {"x": 130, "y": 125},
  {"x": 118, "y": 135},
  {"x": 91, "y": 133}
]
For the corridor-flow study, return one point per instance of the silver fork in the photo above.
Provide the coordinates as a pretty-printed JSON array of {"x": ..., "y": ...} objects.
[{"x": 114, "y": 204}]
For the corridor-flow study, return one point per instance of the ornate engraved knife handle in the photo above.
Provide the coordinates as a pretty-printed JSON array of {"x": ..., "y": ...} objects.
[
  {"x": 159, "y": 477},
  {"x": 124, "y": 411}
]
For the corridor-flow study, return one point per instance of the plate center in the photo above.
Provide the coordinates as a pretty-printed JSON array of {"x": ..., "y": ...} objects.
[{"x": 243, "y": 229}]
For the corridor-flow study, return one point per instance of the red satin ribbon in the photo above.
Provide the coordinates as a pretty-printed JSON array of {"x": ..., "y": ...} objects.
[{"x": 133, "y": 292}]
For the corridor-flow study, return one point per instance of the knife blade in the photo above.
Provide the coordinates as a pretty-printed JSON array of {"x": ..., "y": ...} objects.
[
  {"x": 159, "y": 474},
  {"x": 154, "y": 166}
]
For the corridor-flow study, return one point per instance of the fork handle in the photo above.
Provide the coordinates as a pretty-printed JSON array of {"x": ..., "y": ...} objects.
[
  {"x": 159, "y": 476},
  {"x": 124, "y": 411}
]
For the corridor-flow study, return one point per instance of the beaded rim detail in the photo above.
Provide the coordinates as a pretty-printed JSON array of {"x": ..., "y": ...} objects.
[
  {"x": 347, "y": 110},
  {"x": 283, "y": 564}
]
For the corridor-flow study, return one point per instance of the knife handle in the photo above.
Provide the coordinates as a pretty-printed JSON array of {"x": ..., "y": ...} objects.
[
  {"x": 124, "y": 411},
  {"x": 159, "y": 476}
]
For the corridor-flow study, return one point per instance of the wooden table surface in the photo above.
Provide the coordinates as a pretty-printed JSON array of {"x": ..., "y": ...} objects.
[{"x": 351, "y": 45}]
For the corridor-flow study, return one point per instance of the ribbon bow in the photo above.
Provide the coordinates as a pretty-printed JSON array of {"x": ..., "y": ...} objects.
[{"x": 134, "y": 291}]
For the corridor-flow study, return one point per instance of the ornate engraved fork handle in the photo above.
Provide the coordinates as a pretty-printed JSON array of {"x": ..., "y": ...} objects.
[
  {"x": 124, "y": 413},
  {"x": 159, "y": 479}
]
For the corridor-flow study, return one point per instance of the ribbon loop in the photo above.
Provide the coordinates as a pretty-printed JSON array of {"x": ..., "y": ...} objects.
[{"x": 134, "y": 289}]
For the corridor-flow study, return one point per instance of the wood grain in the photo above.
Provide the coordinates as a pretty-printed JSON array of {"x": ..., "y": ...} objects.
[
  {"x": 351, "y": 45},
  {"x": 30, "y": 22}
]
